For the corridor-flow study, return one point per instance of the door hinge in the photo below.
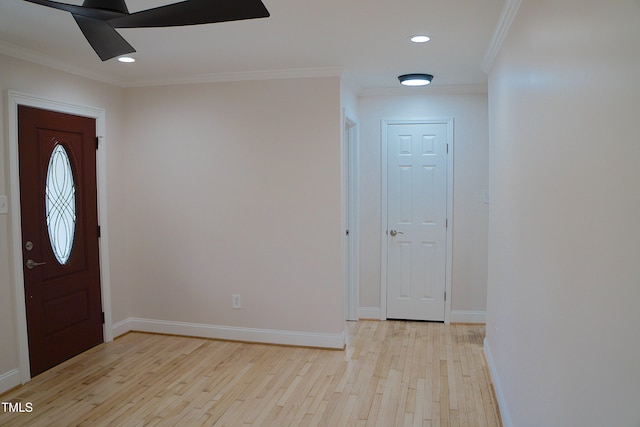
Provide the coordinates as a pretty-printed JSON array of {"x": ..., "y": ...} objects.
[
  {"x": 446, "y": 223},
  {"x": 102, "y": 317},
  {"x": 347, "y": 232},
  {"x": 97, "y": 142},
  {"x": 99, "y": 232},
  {"x": 447, "y": 148},
  {"x": 445, "y": 295}
]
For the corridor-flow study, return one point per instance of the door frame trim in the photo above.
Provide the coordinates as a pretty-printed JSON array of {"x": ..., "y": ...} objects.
[
  {"x": 384, "y": 124},
  {"x": 350, "y": 201},
  {"x": 14, "y": 99}
]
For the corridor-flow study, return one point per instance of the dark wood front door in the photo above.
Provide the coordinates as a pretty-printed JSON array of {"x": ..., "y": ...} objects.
[{"x": 58, "y": 203}]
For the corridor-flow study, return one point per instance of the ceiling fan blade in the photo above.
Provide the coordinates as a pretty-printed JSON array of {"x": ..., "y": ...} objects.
[
  {"x": 103, "y": 38},
  {"x": 79, "y": 10},
  {"x": 193, "y": 12}
]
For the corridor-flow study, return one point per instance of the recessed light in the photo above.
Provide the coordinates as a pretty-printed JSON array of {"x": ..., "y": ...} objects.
[
  {"x": 126, "y": 59},
  {"x": 416, "y": 79},
  {"x": 420, "y": 39}
]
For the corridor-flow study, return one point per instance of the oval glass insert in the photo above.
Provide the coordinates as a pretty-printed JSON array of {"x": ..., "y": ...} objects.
[{"x": 60, "y": 195}]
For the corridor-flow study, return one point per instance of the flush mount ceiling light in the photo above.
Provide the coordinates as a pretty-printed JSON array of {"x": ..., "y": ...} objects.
[
  {"x": 419, "y": 38},
  {"x": 127, "y": 59},
  {"x": 415, "y": 79}
]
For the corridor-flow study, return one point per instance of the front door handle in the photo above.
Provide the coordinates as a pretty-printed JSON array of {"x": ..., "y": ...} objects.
[
  {"x": 31, "y": 264},
  {"x": 394, "y": 233}
]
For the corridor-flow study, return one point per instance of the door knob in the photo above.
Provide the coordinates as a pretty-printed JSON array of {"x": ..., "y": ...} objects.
[
  {"x": 394, "y": 233},
  {"x": 31, "y": 264}
]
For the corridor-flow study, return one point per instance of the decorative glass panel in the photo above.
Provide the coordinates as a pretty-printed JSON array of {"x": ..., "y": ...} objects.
[{"x": 60, "y": 195}]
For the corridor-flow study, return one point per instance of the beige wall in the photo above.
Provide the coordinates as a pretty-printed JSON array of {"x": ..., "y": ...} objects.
[
  {"x": 470, "y": 214},
  {"x": 564, "y": 277},
  {"x": 234, "y": 188}
]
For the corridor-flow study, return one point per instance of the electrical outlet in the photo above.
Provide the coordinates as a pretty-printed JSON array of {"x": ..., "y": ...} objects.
[
  {"x": 4, "y": 205},
  {"x": 235, "y": 300}
]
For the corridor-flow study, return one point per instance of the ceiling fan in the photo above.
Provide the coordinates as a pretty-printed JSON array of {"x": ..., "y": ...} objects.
[{"x": 98, "y": 19}]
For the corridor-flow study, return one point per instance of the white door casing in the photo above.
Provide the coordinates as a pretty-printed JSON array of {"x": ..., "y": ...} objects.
[
  {"x": 350, "y": 202},
  {"x": 416, "y": 202}
]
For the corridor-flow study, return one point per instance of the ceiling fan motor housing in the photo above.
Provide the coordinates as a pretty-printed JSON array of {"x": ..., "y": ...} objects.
[{"x": 113, "y": 5}]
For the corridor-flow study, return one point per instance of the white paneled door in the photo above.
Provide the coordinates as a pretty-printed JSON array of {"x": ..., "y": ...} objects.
[{"x": 416, "y": 220}]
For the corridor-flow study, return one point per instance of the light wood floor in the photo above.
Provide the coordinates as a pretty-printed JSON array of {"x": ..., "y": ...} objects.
[{"x": 392, "y": 373}]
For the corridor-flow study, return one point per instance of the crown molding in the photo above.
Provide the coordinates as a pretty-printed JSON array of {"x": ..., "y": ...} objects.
[
  {"x": 239, "y": 76},
  {"x": 242, "y": 76},
  {"x": 47, "y": 61},
  {"x": 426, "y": 90},
  {"x": 502, "y": 28}
]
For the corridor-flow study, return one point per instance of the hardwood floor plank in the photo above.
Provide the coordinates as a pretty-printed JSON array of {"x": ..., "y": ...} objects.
[
  {"x": 393, "y": 373},
  {"x": 424, "y": 405}
]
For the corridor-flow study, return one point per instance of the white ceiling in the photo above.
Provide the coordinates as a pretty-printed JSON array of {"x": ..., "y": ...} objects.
[{"x": 368, "y": 38}]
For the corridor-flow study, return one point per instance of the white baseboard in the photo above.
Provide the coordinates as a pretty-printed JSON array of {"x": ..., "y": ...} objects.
[
  {"x": 9, "y": 380},
  {"x": 468, "y": 316},
  {"x": 233, "y": 333},
  {"x": 120, "y": 328},
  {"x": 502, "y": 404},
  {"x": 369, "y": 313}
]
